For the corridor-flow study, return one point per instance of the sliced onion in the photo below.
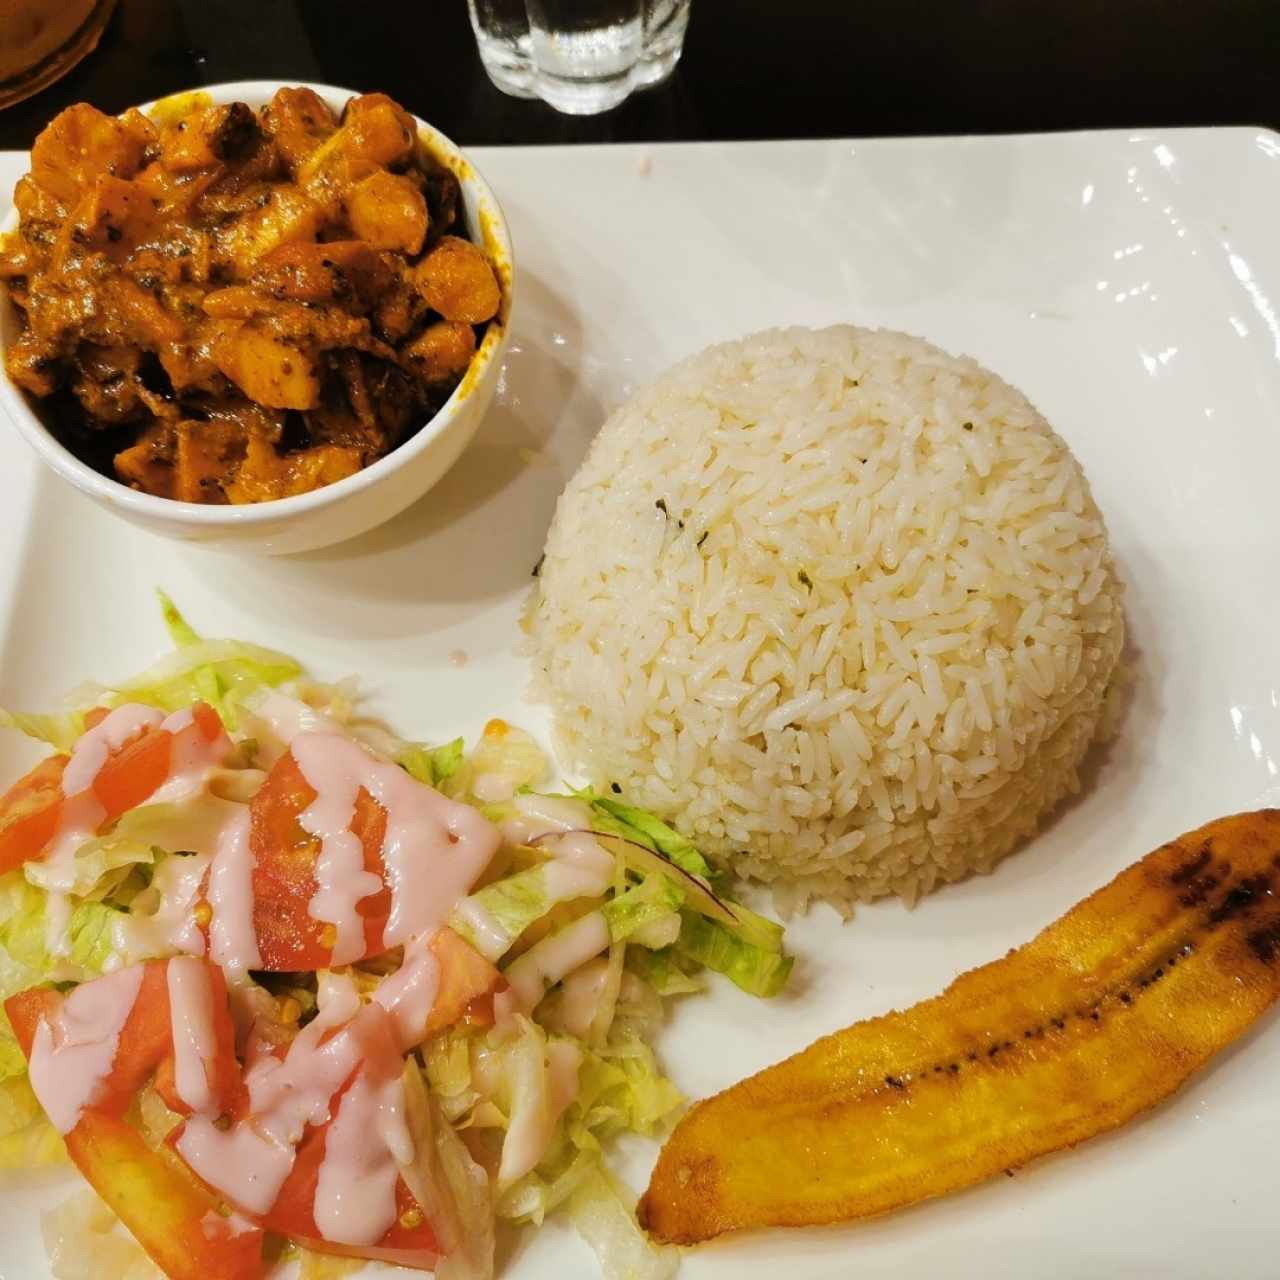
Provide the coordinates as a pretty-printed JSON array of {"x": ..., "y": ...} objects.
[{"x": 641, "y": 858}]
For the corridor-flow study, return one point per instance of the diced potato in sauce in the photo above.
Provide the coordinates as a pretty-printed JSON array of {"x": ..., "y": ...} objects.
[
  {"x": 441, "y": 352},
  {"x": 266, "y": 368},
  {"x": 298, "y": 120},
  {"x": 82, "y": 143},
  {"x": 457, "y": 281},
  {"x": 370, "y": 140},
  {"x": 112, "y": 210},
  {"x": 255, "y": 304},
  {"x": 207, "y": 138},
  {"x": 388, "y": 210},
  {"x": 284, "y": 215}
]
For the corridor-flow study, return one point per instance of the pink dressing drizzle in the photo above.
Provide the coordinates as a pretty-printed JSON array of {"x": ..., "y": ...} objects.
[
  {"x": 341, "y": 882},
  {"x": 233, "y": 943},
  {"x": 409, "y": 994},
  {"x": 191, "y": 757},
  {"x": 250, "y": 1161},
  {"x": 550, "y": 1089},
  {"x": 191, "y": 1019},
  {"x": 72, "y": 1053},
  {"x": 434, "y": 850},
  {"x": 535, "y": 972},
  {"x": 581, "y": 994},
  {"x": 356, "y": 1189},
  {"x": 173, "y": 926},
  {"x": 581, "y": 869},
  {"x": 96, "y": 745},
  {"x": 82, "y": 812}
]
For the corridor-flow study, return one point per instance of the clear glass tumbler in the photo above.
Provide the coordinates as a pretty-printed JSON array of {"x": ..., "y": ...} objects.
[
  {"x": 502, "y": 35},
  {"x": 581, "y": 56}
]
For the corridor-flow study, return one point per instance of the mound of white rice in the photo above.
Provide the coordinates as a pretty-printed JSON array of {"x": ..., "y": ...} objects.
[{"x": 838, "y": 604}]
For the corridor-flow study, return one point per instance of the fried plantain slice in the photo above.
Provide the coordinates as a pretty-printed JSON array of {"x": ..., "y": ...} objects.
[{"x": 1099, "y": 1018}]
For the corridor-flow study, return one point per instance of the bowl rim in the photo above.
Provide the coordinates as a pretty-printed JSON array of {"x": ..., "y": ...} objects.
[{"x": 212, "y": 517}]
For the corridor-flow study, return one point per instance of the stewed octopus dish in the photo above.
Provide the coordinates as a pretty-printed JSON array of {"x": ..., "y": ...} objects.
[{"x": 219, "y": 305}]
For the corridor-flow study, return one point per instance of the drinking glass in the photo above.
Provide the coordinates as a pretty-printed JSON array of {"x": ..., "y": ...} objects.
[
  {"x": 502, "y": 35},
  {"x": 581, "y": 56}
]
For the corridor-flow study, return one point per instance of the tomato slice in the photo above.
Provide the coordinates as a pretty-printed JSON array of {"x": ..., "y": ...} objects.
[
  {"x": 29, "y": 813},
  {"x": 289, "y": 938},
  {"x": 178, "y": 1221},
  {"x": 465, "y": 988},
  {"x": 170, "y": 1213},
  {"x": 31, "y": 809},
  {"x": 145, "y": 1045},
  {"x": 293, "y": 1213},
  {"x": 141, "y": 767}
]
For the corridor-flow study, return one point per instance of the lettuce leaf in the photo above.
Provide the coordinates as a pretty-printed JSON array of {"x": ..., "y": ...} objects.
[
  {"x": 100, "y": 865},
  {"x": 85, "y": 1240},
  {"x": 511, "y": 904},
  {"x": 641, "y": 905},
  {"x": 25, "y": 960},
  {"x": 640, "y": 825},
  {"x": 190, "y": 826},
  {"x": 620, "y": 1089},
  {"x": 220, "y": 672},
  {"x": 59, "y": 731},
  {"x": 432, "y": 765},
  {"x": 546, "y": 1189},
  {"x": 604, "y": 1215},
  {"x": 526, "y": 1099},
  {"x": 617, "y": 1093},
  {"x": 661, "y": 969},
  {"x": 447, "y": 1062},
  {"x": 757, "y": 970},
  {"x": 27, "y": 1138},
  {"x": 451, "y": 1188}
]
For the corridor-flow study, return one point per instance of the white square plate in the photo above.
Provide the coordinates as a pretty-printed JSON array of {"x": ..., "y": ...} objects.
[{"x": 1130, "y": 284}]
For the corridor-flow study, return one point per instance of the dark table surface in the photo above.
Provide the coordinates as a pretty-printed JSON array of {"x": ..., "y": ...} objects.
[{"x": 752, "y": 68}]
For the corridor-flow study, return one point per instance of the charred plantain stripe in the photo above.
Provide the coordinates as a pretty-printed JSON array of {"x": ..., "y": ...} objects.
[{"x": 1099, "y": 1018}]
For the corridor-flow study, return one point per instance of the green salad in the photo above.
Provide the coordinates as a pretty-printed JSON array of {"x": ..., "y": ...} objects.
[{"x": 282, "y": 983}]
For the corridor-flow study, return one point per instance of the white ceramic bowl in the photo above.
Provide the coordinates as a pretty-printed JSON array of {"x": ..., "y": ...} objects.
[{"x": 351, "y": 506}]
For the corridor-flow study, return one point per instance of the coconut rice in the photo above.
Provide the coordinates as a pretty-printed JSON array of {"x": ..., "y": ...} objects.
[{"x": 837, "y": 603}]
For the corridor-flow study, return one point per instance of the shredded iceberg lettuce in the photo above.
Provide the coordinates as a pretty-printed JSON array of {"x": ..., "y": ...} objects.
[
  {"x": 638, "y": 824},
  {"x": 27, "y": 1139},
  {"x": 507, "y": 907},
  {"x": 607, "y": 1222},
  {"x": 536, "y": 1097},
  {"x": 758, "y": 971},
  {"x": 219, "y": 672},
  {"x": 59, "y": 731},
  {"x": 86, "y": 1241},
  {"x": 662, "y": 970},
  {"x": 25, "y": 955},
  {"x": 432, "y": 765},
  {"x": 620, "y": 1089},
  {"x": 717, "y": 932},
  {"x": 642, "y": 906}
]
